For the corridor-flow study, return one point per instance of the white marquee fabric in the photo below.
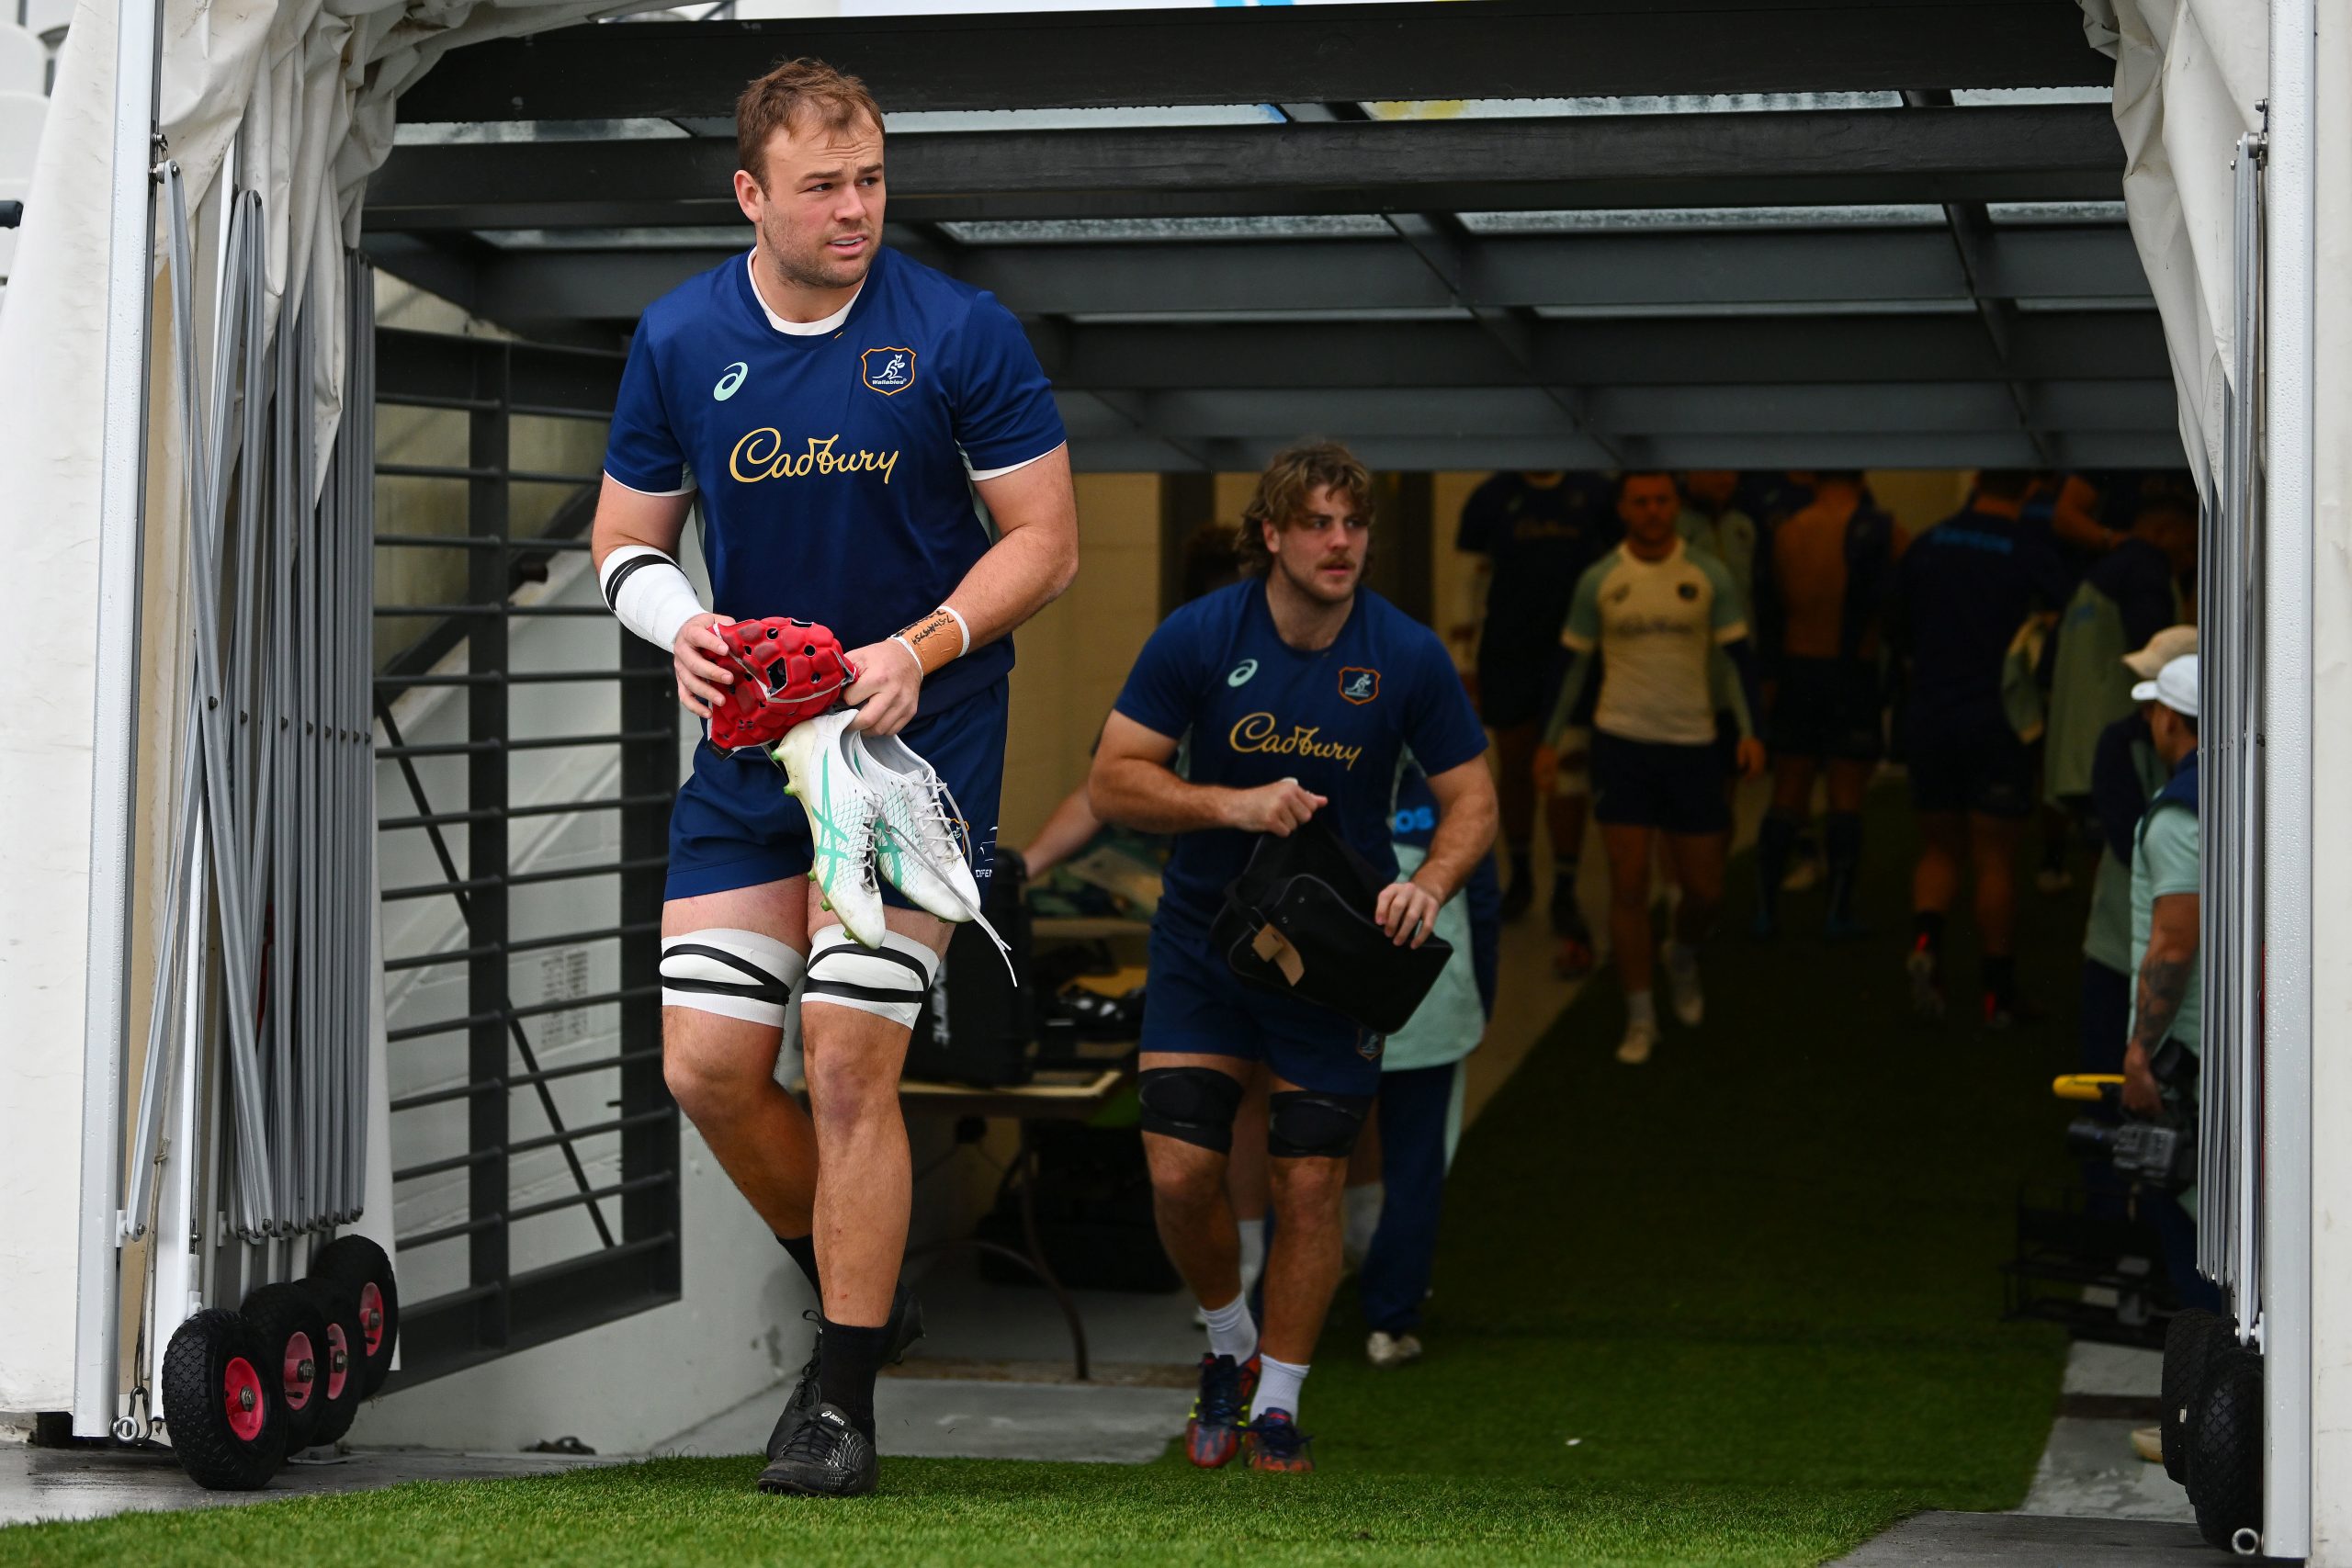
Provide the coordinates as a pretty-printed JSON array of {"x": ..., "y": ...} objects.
[{"x": 2188, "y": 76}]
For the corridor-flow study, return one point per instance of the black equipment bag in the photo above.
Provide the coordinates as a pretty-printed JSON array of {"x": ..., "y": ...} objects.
[
  {"x": 1299, "y": 921},
  {"x": 977, "y": 1026}
]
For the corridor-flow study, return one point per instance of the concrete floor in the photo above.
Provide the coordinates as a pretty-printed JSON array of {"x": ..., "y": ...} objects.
[
  {"x": 2088, "y": 1470},
  {"x": 89, "y": 1483}
]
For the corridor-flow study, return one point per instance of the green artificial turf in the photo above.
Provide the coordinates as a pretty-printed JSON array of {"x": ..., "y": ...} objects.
[{"x": 1738, "y": 1306}]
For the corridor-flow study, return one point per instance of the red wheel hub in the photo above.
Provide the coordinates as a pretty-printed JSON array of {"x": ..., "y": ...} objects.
[
  {"x": 338, "y": 1360},
  {"x": 301, "y": 1368},
  {"x": 240, "y": 1397},
  {"x": 371, "y": 1317}
]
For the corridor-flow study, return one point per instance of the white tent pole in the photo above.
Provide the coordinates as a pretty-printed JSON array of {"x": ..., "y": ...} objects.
[
  {"x": 2290, "y": 302},
  {"x": 114, "y": 727}
]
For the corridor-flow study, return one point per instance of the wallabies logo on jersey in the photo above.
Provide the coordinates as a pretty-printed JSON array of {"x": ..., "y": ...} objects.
[
  {"x": 888, "y": 371},
  {"x": 1358, "y": 686}
]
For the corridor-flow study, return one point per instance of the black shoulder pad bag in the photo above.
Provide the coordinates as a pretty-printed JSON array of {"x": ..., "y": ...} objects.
[{"x": 1299, "y": 921}]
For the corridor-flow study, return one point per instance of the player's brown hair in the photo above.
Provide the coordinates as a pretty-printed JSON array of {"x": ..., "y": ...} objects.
[
  {"x": 1297, "y": 471},
  {"x": 786, "y": 95}
]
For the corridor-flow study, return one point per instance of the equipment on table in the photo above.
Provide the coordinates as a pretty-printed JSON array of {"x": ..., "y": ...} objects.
[
  {"x": 978, "y": 1025},
  {"x": 1299, "y": 921}
]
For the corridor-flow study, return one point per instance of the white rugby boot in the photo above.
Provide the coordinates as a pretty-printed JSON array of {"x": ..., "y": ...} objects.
[
  {"x": 920, "y": 838},
  {"x": 842, "y": 811}
]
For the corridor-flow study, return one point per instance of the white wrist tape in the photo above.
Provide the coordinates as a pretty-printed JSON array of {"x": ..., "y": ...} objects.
[{"x": 649, "y": 592}]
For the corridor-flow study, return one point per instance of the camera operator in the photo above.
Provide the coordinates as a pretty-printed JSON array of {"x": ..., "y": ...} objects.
[{"x": 2166, "y": 999}]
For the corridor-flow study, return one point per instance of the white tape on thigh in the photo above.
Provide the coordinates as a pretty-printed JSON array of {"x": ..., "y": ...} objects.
[
  {"x": 735, "y": 973},
  {"x": 1574, "y": 779},
  {"x": 890, "y": 981}
]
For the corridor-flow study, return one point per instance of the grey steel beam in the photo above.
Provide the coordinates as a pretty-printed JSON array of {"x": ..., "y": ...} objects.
[
  {"x": 1194, "y": 417},
  {"x": 1498, "y": 49},
  {"x": 2028, "y": 152},
  {"x": 1678, "y": 350},
  {"x": 1784, "y": 267},
  {"x": 1856, "y": 449}
]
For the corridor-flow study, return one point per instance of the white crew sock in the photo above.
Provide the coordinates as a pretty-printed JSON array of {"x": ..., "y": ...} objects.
[
  {"x": 1640, "y": 1009},
  {"x": 1360, "y": 1216},
  {"x": 1253, "y": 1252},
  {"x": 1278, "y": 1386},
  {"x": 1232, "y": 1331}
]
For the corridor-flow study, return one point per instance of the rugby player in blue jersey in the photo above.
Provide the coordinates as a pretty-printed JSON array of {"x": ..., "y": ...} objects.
[
  {"x": 833, "y": 406},
  {"x": 1299, "y": 690}
]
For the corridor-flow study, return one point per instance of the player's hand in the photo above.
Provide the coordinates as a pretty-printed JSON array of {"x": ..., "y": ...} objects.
[
  {"x": 2142, "y": 1096},
  {"x": 1408, "y": 912},
  {"x": 1547, "y": 769},
  {"x": 697, "y": 658},
  {"x": 887, "y": 688},
  {"x": 1280, "y": 809},
  {"x": 1751, "y": 758}
]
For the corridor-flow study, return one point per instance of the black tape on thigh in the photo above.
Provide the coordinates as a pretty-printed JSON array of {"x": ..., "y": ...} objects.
[
  {"x": 1301, "y": 1125},
  {"x": 1195, "y": 1105}
]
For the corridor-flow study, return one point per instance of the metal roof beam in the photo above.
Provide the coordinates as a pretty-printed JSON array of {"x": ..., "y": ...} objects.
[
  {"x": 2023, "y": 152},
  {"x": 1498, "y": 49}
]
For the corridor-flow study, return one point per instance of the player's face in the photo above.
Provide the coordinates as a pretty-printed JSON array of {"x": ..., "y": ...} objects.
[
  {"x": 1648, "y": 509},
  {"x": 819, "y": 211},
  {"x": 1322, "y": 551}
]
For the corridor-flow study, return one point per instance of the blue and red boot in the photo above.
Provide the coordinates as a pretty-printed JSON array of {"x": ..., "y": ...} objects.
[
  {"x": 1276, "y": 1443},
  {"x": 1213, "y": 1433}
]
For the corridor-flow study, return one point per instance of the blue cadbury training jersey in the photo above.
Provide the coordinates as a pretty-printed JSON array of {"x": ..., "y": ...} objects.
[
  {"x": 834, "y": 464},
  {"x": 1259, "y": 710}
]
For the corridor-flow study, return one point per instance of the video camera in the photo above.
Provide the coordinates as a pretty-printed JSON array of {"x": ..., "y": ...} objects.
[{"x": 2161, "y": 1152}]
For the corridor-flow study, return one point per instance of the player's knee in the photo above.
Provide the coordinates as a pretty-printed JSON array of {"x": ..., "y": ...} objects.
[
  {"x": 712, "y": 1084},
  {"x": 728, "y": 973},
  {"x": 887, "y": 982},
  {"x": 1304, "y": 1124},
  {"x": 1191, "y": 1105}
]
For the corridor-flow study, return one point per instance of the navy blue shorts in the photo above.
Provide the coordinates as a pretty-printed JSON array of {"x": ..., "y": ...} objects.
[
  {"x": 1656, "y": 784},
  {"x": 734, "y": 826},
  {"x": 1193, "y": 1003},
  {"x": 1982, "y": 767},
  {"x": 1826, "y": 707}
]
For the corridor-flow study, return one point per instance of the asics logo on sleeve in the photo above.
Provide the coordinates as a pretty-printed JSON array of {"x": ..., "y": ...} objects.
[
  {"x": 1241, "y": 673},
  {"x": 729, "y": 382}
]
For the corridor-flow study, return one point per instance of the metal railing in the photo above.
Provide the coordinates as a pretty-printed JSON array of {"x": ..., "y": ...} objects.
[{"x": 630, "y": 1259}]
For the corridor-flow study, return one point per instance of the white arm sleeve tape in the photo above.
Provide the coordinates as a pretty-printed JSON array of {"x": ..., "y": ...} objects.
[
  {"x": 735, "y": 973},
  {"x": 650, "y": 594},
  {"x": 890, "y": 981}
]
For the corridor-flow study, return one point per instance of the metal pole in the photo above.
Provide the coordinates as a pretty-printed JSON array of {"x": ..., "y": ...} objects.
[
  {"x": 114, "y": 727},
  {"x": 2289, "y": 545}
]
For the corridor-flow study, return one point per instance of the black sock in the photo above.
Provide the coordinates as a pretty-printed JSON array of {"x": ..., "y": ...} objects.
[
  {"x": 1845, "y": 841},
  {"x": 804, "y": 1252},
  {"x": 1564, "y": 878},
  {"x": 1775, "y": 837},
  {"x": 2001, "y": 979},
  {"x": 848, "y": 1359},
  {"x": 1522, "y": 866},
  {"x": 1927, "y": 928}
]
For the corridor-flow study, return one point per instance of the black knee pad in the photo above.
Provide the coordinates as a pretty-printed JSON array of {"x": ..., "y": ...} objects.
[
  {"x": 1195, "y": 1105},
  {"x": 1301, "y": 1125}
]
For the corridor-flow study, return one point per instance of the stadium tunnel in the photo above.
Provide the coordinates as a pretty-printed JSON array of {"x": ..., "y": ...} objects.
[{"x": 1517, "y": 234}]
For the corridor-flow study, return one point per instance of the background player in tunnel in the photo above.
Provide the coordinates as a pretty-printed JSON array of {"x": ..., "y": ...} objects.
[{"x": 1656, "y": 611}]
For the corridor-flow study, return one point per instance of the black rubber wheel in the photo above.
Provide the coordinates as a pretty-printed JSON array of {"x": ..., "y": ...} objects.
[
  {"x": 221, "y": 1411},
  {"x": 293, "y": 1334},
  {"x": 361, "y": 1264},
  {"x": 2225, "y": 1447},
  {"x": 342, "y": 1381},
  {"x": 2191, "y": 1339}
]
